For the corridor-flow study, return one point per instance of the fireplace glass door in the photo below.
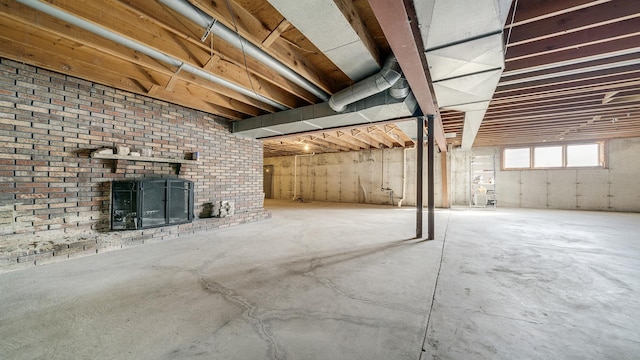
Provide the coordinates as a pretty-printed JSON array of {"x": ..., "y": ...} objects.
[{"x": 139, "y": 204}]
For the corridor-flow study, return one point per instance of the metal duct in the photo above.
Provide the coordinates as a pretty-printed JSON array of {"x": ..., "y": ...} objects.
[
  {"x": 465, "y": 61},
  {"x": 388, "y": 75},
  {"x": 71, "y": 19},
  {"x": 215, "y": 27},
  {"x": 376, "y": 108},
  {"x": 335, "y": 34},
  {"x": 400, "y": 89}
]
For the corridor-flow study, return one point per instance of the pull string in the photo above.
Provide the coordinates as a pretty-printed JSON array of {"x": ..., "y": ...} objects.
[{"x": 244, "y": 55}]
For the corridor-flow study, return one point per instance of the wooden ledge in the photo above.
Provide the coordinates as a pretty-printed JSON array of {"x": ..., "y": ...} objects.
[{"x": 178, "y": 162}]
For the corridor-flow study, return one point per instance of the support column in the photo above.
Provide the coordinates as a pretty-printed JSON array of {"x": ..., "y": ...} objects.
[
  {"x": 431, "y": 198},
  {"x": 420, "y": 158},
  {"x": 445, "y": 180}
]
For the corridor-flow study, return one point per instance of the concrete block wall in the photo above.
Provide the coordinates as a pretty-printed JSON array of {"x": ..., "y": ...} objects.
[
  {"x": 354, "y": 177},
  {"x": 615, "y": 188},
  {"x": 357, "y": 177},
  {"x": 54, "y": 198}
]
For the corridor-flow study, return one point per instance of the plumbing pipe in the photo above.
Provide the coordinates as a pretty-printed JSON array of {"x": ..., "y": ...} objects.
[
  {"x": 295, "y": 169},
  {"x": 388, "y": 75},
  {"x": 404, "y": 174},
  {"x": 160, "y": 56},
  {"x": 216, "y": 28},
  {"x": 382, "y": 188}
]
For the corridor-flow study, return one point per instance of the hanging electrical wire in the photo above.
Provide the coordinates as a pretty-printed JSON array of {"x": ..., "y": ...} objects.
[{"x": 242, "y": 44}]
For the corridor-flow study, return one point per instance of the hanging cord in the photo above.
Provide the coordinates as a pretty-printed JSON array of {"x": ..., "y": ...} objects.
[
  {"x": 211, "y": 47},
  {"x": 513, "y": 16},
  {"x": 244, "y": 55}
]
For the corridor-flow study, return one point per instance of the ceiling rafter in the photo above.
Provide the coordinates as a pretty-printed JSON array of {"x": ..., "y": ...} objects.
[
  {"x": 46, "y": 24},
  {"x": 566, "y": 63},
  {"x": 345, "y": 144},
  {"x": 253, "y": 30},
  {"x": 275, "y": 34},
  {"x": 350, "y": 12},
  {"x": 79, "y": 62},
  {"x": 216, "y": 48},
  {"x": 579, "y": 19}
]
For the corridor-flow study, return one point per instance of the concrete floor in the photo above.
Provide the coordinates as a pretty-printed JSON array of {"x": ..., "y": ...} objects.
[{"x": 331, "y": 281}]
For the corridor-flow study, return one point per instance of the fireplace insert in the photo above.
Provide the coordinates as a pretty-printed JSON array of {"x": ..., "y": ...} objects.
[{"x": 146, "y": 203}]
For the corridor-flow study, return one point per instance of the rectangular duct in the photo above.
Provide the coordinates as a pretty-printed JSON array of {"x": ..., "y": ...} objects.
[{"x": 379, "y": 107}]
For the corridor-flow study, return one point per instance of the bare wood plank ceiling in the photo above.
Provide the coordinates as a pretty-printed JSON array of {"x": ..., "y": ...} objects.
[
  {"x": 572, "y": 66},
  {"x": 572, "y": 73}
]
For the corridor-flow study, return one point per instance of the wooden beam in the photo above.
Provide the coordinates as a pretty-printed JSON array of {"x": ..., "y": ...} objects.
[
  {"x": 212, "y": 60},
  {"x": 172, "y": 81},
  {"x": 23, "y": 15},
  {"x": 347, "y": 128},
  {"x": 574, "y": 40},
  {"x": 153, "y": 89},
  {"x": 347, "y": 137},
  {"x": 351, "y": 14},
  {"x": 348, "y": 146},
  {"x": 377, "y": 135},
  {"x": 570, "y": 81},
  {"x": 530, "y": 11},
  {"x": 529, "y": 96},
  {"x": 191, "y": 33},
  {"x": 275, "y": 34},
  {"x": 399, "y": 24},
  {"x": 367, "y": 138},
  {"x": 578, "y": 19},
  {"x": 566, "y": 57},
  {"x": 142, "y": 30},
  {"x": 581, "y": 66},
  {"x": 388, "y": 138},
  {"x": 253, "y": 30},
  {"x": 80, "y": 62},
  {"x": 326, "y": 145}
]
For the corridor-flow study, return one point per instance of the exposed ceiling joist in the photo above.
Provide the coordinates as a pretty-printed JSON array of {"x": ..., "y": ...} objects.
[
  {"x": 336, "y": 29},
  {"x": 567, "y": 63}
]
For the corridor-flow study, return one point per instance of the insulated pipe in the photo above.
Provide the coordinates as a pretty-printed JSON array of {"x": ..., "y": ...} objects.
[
  {"x": 430, "y": 179},
  {"x": 388, "y": 75},
  {"x": 419, "y": 174},
  {"x": 215, "y": 27},
  {"x": 107, "y": 34}
]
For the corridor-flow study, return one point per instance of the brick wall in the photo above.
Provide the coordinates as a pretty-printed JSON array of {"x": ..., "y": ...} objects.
[{"x": 54, "y": 198}]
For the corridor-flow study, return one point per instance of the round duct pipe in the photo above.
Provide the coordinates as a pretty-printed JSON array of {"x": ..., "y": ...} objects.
[
  {"x": 144, "y": 49},
  {"x": 387, "y": 77},
  {"x": 400, "y": 89},
  {"x": 201, "y": 18}
]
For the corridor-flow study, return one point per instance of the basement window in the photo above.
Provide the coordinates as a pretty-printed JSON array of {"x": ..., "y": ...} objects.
[
  {"x": 577, "y": 155},
  {"x": 517, "y": 158},
  {"x": 547, "y": 157},
  {"x": 583, "y": 155}
]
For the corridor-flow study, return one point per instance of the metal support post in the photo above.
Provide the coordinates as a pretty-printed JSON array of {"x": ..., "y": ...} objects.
[
  {"x": 420, "y": 158},
  {"x": 431, "y": 155}
]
